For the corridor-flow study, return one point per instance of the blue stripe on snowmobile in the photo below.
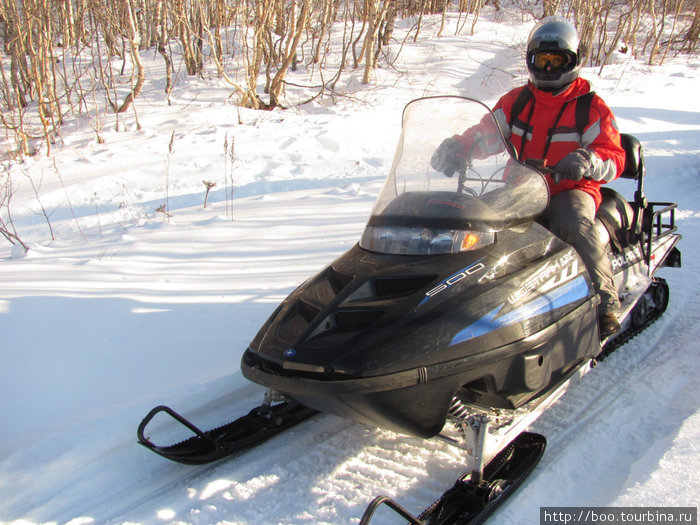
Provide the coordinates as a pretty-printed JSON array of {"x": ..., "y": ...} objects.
[{"x": 562, "y": 296}]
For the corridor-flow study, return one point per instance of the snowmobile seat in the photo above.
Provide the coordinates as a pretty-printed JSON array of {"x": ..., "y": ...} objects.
[
  {"x": 614, "y": 219},
  {"x": 617, "y": 221},
  {"x": 634, "y": 160}
]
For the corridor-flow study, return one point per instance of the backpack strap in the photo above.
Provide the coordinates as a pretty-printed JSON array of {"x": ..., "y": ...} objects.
[
  {"x": 520, "y": 102},
  {"x": 583, "y": 110}
]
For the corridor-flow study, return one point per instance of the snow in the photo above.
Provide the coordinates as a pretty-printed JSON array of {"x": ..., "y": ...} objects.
[{"x": 128, "y": 308}]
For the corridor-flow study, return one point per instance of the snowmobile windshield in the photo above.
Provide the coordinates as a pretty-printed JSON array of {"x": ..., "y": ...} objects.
[{"x": 454, "y": 182}]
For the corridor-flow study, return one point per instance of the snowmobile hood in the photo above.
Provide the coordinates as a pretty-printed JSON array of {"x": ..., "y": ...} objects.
[{"x": 421, "y": 211}]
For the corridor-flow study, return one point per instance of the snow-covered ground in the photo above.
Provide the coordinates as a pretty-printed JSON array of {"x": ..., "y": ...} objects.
[{"x": 127, "y": 308}]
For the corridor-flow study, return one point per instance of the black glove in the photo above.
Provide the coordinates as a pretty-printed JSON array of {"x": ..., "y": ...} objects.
[
  {"x": 575, "y": 166},
  {"x": 449, "y": 157}
]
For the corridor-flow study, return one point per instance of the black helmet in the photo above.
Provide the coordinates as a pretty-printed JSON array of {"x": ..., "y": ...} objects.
[{"x": 553, "y": 54}]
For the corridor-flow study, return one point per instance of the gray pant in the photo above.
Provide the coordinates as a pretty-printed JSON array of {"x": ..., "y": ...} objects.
[{"x": 570, "y": 216}]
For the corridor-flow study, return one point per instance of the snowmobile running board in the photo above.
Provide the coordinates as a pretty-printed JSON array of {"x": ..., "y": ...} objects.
[{"x": 259, "y": 425}]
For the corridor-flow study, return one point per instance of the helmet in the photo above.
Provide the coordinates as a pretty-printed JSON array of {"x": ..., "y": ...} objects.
[{"x": 553, "y": 54}]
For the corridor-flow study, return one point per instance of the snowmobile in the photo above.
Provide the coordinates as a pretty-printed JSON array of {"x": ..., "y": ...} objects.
[{"x": 455, "y": 306}]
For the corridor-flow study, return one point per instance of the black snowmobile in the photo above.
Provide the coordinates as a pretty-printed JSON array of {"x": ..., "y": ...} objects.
[{"x": 455, "y": 306}]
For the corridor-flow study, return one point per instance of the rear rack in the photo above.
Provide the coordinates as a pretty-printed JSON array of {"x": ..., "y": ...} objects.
[{"x": 660, "y": 223}]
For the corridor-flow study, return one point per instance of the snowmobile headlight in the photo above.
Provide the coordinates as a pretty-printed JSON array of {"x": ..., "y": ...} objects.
[{"x": 422, "y": 241}]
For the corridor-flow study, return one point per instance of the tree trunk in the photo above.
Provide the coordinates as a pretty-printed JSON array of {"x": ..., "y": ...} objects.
[
  {"x": 296, "y": 29},
  {"x": 375, "y": 19},
  {"x": 136, "y": 60}
]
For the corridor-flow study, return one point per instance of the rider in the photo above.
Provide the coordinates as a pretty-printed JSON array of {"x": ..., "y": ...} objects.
[{"x": 557, "y": 121}]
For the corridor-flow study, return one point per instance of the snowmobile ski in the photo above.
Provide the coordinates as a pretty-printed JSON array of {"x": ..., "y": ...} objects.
[
  {"x": 259, "y": 425},
  {"x": 471, "y": 500}
]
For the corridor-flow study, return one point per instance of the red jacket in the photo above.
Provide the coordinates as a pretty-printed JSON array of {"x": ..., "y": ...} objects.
[{"x": 540, "y": 116}]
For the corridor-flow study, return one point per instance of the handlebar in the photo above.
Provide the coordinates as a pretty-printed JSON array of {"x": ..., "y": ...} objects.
[{"x": 541, "y": 165}]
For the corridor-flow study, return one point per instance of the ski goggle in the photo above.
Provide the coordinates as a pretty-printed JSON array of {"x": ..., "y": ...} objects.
[{"x": 555, "y": 60}]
